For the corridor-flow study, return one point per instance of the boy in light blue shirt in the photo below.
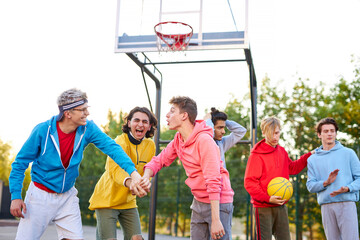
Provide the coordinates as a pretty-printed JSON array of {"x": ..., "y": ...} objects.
[
  {"x": 218, "y": 121},
  {"x": 334, "y": 175}
]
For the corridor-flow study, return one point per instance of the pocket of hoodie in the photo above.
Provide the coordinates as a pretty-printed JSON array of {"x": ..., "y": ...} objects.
[{"x": 140, "y": 167}]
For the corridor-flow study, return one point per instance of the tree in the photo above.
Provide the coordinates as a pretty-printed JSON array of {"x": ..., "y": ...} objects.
[
  {"x": 345, "y": 102},
  {"x": 5, "y": 167},
  {"x": 5, "y": 162}
]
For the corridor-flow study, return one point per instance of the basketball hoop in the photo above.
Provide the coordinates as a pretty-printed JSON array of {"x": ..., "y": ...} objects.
[{"x": 173, "y": 36}]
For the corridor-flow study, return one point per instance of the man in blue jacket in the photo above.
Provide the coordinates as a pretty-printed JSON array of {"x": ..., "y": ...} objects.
[
  {"x": 55, "y": 149},
  {"x": 334, "y": 174},
  {"x": 218, "y": 121}
]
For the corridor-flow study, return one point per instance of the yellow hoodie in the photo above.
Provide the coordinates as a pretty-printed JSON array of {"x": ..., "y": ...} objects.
[{"x": 110, "y": 191}]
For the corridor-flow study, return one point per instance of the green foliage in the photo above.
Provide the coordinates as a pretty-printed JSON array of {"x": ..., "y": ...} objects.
[
  {"x": 5, "y": 162},
  {"x": 346, "y": 108},
  {"x": 236, "y": 157},
  {"x": 299, "y": 109}
]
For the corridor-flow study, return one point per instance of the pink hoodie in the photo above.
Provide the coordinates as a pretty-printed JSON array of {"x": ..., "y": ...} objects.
[{"x": 200, "y": 156}]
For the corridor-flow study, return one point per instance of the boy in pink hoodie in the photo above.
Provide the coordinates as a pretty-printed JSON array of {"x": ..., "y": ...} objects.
[{"x": 209, "y": 182}]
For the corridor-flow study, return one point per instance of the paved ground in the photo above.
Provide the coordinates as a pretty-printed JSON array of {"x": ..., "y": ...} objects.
[{"x": 8, "y": 232}]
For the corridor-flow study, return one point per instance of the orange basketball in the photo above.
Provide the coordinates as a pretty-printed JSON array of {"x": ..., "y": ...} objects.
[{"x": 280, "y": 186}]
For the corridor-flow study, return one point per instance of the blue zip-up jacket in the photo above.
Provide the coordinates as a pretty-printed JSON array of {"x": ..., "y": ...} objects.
[
  {"x": 226, "y": 142},
  {"x": 43, "y": 150},
  {"x": 323, "y": 162}
]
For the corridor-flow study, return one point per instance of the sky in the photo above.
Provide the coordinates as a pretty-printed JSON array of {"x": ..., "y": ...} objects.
[{"x": 47, "y": 47}]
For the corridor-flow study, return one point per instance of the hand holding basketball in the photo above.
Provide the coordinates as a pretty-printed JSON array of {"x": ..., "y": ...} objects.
[
  {"x": 276, "y": 200},
  {"x": 280, "y": 187}
]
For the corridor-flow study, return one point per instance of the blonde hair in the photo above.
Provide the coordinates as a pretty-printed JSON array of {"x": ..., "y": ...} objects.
[{"x": 268, "y": 126}]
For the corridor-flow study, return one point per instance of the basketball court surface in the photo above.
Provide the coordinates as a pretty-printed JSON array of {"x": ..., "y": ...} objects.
[{"x": 8, "y": 232}]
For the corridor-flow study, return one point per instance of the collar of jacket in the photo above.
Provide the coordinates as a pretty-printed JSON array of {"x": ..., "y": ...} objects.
[
  {"x": 52, "y": 122},
  {"x": 133, "y": 140}
]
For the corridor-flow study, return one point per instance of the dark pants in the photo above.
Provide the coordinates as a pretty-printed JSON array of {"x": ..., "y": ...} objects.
[{"x": 272, "y": 221}]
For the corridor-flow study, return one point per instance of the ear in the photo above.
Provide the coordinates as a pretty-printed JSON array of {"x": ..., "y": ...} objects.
[
  {"x": 185, "y": 116},
  {"x": 128, "y": 123},
  {"x": 67, "y": 114},
  {"x": 319, "y": 135},
  {"x": 149, "y": 127}
]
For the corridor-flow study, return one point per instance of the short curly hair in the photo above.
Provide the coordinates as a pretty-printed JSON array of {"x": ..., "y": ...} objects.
[
  {"x": 326, "y": 121},
  {"x": 186, "y": 104},
  {"x": 152, "y": 119}
]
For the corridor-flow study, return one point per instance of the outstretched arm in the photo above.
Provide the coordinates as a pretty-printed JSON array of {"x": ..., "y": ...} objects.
[
  {"x": 148, "y": 173},
  {"x": 110, "y": 148},
  {"x": 297, "y": 166}
]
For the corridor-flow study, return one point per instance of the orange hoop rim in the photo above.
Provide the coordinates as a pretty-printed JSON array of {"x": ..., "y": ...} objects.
[
  {"x": 173, "y": 36},
  {"x": 180, "y": 40}
]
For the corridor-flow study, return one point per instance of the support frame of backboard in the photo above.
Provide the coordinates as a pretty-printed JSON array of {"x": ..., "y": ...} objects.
[{"x": 141, "y": 49}]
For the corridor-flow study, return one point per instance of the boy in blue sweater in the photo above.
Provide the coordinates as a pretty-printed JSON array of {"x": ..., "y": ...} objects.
[
  {"x": 334, "y": 175},
  {"x": 55, "y": 149},
  {"x": 218, "y": 121}
]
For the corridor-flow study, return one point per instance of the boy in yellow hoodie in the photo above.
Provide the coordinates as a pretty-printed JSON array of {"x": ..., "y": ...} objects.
[{"x": 112, "y": 199}]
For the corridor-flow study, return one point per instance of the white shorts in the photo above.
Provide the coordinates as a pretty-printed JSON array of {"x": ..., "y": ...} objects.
[{"x": 43, "y": 208}]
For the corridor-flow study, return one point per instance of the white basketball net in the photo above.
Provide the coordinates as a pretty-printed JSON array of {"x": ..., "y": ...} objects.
[{"x": 173, "y": 36}]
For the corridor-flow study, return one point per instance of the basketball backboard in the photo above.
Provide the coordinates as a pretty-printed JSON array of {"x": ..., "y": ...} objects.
[{"x": 217, "y": 24}]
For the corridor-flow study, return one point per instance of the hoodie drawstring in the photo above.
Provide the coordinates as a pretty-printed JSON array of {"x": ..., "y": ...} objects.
[{"x": 47, "y": 136}]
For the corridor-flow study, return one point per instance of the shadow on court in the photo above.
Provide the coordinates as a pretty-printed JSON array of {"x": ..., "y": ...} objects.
[{"x": 8, "y": 232}]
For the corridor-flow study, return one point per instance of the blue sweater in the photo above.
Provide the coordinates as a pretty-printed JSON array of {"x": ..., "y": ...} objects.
[
  {"x": 43, "y": 150},
  {"x": 226, "y": 142},
  {"x": 322, "y": 163}
]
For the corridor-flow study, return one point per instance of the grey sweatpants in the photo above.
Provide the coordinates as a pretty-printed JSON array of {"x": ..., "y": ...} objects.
[
  {"x": 340, "y": 221},
  {"x": 201, "y": 220}
]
